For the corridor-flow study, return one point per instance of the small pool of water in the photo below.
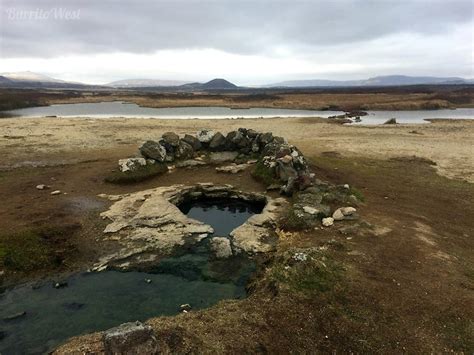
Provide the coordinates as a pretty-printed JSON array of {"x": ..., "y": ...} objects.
[
  {"x": 224, "y": 215},
  {"x": 98, "y": 301}
]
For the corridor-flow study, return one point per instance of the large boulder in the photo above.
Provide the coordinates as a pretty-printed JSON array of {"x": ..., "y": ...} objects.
[
  {"x": 184, "y": 151},
  {"x": 265, "y": 138},
  {"x": 130, "y": 338},
  {"x": 131, "y": 164},
  {"x": 205, "y": 135},
  {"x": 285, "y": 169},
  {"x": 241, "y": 141},
  {"x": 193, "y": 141},
  {"x": 218, "y": 142},
  {"x": 171, "y": 138},
  {"x": 230, "y": 145},
  {"x": 221, "y": 247},
  {"x": 153, "y": 150},
  {"x": 252, "y": 133},
  {"x": 345, "y": 213}
]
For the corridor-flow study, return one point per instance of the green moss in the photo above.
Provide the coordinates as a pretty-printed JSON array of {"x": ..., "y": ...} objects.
[
  {"x": 318, "y": 273},
  {"x": 264, "y": 174},
  {"x": 25, "y": 251},
  {"x": 130, "y": 177},
  {"x": 357, "y": 193},
  {"x": 294, "y": 221},
  {"x": 35, "y": 249}
]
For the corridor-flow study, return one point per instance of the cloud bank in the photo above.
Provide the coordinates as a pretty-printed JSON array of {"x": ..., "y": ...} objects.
[{"x": 245, "y": 41}]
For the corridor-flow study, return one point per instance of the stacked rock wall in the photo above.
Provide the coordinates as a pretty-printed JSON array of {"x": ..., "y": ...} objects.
[{"x": 282, "y": 161}]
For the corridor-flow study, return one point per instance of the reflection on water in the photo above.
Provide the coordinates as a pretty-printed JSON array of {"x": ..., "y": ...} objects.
[
  {"x": 130, "y": 110},
  {"x": 223, "y": 215},
  {"x": 379, "y": 117}
]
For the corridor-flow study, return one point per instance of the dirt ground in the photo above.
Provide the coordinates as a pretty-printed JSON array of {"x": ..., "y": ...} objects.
[{"x": 405, "y": 287}]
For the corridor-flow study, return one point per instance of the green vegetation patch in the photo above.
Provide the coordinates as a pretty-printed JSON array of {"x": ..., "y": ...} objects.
[
  {"x": 35, "y": 249},
  {"x": 130, "y": 177},
  {"x": 307, "y": 271},
  {"x": 264, "y": 174}
]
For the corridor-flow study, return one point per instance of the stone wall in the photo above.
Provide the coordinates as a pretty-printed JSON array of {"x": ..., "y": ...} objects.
[{"x": 281, "y": 161}]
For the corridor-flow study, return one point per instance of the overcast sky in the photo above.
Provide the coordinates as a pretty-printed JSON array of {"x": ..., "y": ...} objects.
[{"x": 247, "y": 42}]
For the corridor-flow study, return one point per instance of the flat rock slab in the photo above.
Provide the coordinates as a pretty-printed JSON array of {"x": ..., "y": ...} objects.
[
  {"x": 148, "y": 224},
  {"x": 232, "y": 169},
  {"x": 221, "y": 157}
]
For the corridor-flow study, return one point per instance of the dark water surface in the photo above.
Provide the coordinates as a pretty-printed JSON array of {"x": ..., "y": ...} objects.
[
  {"x": 223, "y": 215},
  {"x": 98, "y": 301}
]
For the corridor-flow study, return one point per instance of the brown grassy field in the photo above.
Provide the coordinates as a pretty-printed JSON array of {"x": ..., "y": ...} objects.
[
  {"x": 409, "y": 98},
  {"x": 407, "y": 287}
]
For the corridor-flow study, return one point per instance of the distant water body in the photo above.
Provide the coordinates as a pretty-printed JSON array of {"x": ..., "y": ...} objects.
[{"x": 130, "y": 110}]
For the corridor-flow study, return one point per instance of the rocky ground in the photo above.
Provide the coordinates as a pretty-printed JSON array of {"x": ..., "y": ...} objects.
[{"x": 401, "y": 280}]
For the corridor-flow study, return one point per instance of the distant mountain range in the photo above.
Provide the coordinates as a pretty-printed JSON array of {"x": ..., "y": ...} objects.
[
  {"x": 29, "y": 79},
  {"x": 34, "y": 80},
  {"x": 388, "y": 80},
  {"x": 140, "y": 83}
]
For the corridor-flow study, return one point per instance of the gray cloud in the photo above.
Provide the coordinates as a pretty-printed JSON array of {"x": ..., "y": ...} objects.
[{"x": 244, "y": 27}]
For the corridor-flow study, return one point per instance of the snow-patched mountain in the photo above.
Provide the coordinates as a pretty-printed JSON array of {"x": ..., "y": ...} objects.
[
  {"x": 30, "y": 76},
  {"x": 139, "y": 83},
  {"x": 387, "y": 80}
]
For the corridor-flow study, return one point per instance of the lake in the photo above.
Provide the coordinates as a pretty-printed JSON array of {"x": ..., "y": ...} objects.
[{"x": 130, "y": 110}]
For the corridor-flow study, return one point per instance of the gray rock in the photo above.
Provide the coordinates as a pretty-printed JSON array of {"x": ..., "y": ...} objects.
[
  {"x": 279, "y": 140},
  {"x": 391, "y": 121},
  {"x": 189, "y": 163},
  {"x": 218, "y": 142},
  {"x": 266, "y": 138},
  {"x": 338, "y": 215},
  {"x": 184, "y": 151},
  {"x": 252, "y": 133},
  {"x": 328, "y": 222},
  {"x": 41, "y": 187},
  {"x": 229, "y": 138},
  {"x": 185, "y": 308},
  {"x": 130, "y": 338},
  {"x": 153, "y": 150},
  {"x": 221, "y": 247},
  {"x": 193, "y": 141},
  {"x": 171, "y": 138},
  {"x": 131, "y": 164},
  {"x": 285, "y": 171},
  {"x": 255, "y": 147},
  {"x": 311, "y": 210},
  {"x": 220, "y": 157},
  {"x": 205, "y": 135},
  {"x": 345, "y": 213},
  {"x": 240, "y": 140},
  {"x": 232, "y": 169}
]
